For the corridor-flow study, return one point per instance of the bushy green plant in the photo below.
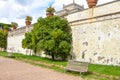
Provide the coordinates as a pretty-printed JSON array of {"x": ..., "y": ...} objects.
[
  {"x": 4, "y": 24},
  {"x": 50, "y": 9},
  {"x": 52, "y": 35},
  {"x": 3, "y": 39},
  {"x": 28, "y": 18},
  {"x": 26, "y": 43},
  {"x": 14, "y": 24},
  {"x": 6, "y": 27}
]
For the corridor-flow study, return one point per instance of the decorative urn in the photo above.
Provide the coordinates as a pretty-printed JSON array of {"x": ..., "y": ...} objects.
[{"x": 91, "y": 3}]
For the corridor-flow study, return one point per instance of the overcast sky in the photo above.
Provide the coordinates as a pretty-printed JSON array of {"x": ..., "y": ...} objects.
[{"x": 16, "y": 10}]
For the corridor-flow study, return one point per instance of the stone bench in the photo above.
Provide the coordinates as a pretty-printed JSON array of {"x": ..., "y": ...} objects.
[{"x": 77, "y": 66}]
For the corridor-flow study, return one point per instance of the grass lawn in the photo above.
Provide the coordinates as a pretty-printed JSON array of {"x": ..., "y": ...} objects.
[{"x": 97, "y": 72}]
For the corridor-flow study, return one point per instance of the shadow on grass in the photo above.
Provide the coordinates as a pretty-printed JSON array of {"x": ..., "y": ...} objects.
[
  {"x": 78, "y": 73},
  {"x": 11, "y": 57}
]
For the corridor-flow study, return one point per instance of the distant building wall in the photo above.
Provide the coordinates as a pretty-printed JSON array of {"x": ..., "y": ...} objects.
[{"x": 14, "y": 40}]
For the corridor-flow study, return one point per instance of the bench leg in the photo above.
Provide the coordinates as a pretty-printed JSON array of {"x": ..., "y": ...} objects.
[
  {"x": 80, "y": 73},
  {"x": 65, "y": 71}
]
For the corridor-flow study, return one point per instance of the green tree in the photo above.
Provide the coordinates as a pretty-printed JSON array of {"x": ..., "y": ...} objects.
[
  {"x": 3, "y": 39},
  {"x": 26, "y": 43},
  {"x": 52, "y": 35},
  {"x": 3, "y": 26},
  {"x": 6, "y": 29}
]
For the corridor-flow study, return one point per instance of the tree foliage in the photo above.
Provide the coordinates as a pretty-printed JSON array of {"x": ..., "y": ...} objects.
[
  {"x": 6, "y": 27},
  {"x": 4, "y": 24},
  {"x": 3, "y": 39},
  {"x": 52, "y": 35},
  {"x": 27, "y": 41}
]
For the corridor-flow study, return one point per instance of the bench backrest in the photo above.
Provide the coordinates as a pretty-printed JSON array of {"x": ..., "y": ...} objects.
[{"x": 77, "y": 66}]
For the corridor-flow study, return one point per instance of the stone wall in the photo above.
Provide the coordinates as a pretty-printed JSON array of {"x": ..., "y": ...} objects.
[
  {"x": 15, "y": 38},
  {"x": 96, "y": 34}
]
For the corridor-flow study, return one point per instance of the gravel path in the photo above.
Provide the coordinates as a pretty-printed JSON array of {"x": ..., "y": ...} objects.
[{"x": 16, "y": 70}]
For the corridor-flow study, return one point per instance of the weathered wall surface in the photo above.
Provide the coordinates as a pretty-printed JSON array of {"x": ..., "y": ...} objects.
[
  {"x": 15, "y": 38},
  {"x": 96, "y": 34}
]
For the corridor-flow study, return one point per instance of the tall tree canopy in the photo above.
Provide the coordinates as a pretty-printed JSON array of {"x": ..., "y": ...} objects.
[
  {"x": 52, "y": 35},
  {"x": 3, "y": 39},
  {"x": 3, "y": 24}
]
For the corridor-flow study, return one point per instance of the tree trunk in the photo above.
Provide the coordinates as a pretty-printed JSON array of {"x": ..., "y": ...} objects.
[
  {"x": 53, "y": 57},
  {"x": 30, "y": 52},
  {"x": 63, "y": 57},
  {"x": 34, "y": 51}
]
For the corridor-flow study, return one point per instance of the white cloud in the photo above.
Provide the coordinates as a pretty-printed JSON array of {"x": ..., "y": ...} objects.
[
  {"x": 16, "y": 10},
  {"x": 4, "y": 20}
]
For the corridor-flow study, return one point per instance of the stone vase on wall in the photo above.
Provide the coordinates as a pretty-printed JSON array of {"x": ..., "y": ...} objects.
[
  {"x": 28, "y": 23},
  {"x": 91, "y": 3},
  {"x": 50, "y": 11},
  {"x": 48, "y": 14},
  {"x": 28, "y": 20},
  {"x": 14, "y": 27}
]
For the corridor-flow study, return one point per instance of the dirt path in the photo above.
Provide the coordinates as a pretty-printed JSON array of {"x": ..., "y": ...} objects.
[{"x": 15, "y": 70}]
